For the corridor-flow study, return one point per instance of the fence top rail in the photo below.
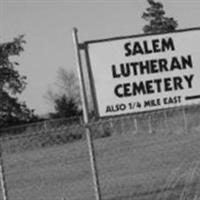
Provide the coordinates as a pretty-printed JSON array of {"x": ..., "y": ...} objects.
[
  {"x": 77, "y": 122},
  {"x": 41, "y": 123}
]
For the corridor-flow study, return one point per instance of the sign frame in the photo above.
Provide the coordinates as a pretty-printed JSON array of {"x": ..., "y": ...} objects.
[{"x": 91, "y": 75}]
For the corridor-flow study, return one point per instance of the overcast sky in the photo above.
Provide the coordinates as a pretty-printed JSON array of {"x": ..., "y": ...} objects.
[{"x": 48, "y": 24}]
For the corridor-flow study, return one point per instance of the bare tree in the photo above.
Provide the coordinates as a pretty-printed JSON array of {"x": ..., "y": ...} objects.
[
  {"x": 68, "y": 85},
  {"x": 66, "y": 96}
]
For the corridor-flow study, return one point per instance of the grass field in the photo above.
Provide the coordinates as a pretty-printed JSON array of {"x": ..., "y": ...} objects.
[{"x": 141, "y": 166}]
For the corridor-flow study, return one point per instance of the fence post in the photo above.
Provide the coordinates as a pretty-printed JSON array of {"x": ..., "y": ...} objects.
[
  {"x": 86, "y": 116},
  {"x": 185, "y": 121},
  {"x": 122, "y": 126},
  {"x": 112, "y": 126},
  {"x": 150, "y": 125},
  {"x": 4, "y": 188},
  {"x": 166, "y": 120},
  {"x": 136, "y": 125}
]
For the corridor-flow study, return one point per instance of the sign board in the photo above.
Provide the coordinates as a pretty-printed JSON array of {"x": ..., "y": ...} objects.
[{"x": 147, "y": 72}]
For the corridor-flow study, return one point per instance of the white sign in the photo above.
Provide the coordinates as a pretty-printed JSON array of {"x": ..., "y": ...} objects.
[{"x": 143, "y": 73}]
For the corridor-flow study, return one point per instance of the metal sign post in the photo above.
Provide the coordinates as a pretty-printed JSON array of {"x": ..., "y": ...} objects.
[
  {"x": 86, "y": 116},
  {"x": 2, "y": 177}
]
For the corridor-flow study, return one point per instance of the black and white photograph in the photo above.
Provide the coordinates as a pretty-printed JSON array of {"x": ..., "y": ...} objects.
[{"x": 99, "y": 100}]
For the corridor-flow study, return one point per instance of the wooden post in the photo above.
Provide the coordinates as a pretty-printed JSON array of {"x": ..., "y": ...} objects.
[
  {"x": 86, "y": 116},
  {"x": 2, "y": 176}
]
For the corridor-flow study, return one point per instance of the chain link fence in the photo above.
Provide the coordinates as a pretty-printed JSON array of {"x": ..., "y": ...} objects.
[{"x": 145, "y": 156}]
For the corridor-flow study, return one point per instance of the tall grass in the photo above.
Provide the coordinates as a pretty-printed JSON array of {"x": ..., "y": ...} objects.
[{"x": 182, "y": 184}]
